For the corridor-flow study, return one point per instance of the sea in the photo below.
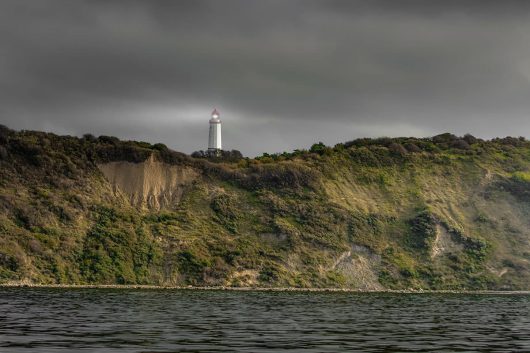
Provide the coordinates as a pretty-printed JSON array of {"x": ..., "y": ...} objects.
[{"x": 150, "y": 320}]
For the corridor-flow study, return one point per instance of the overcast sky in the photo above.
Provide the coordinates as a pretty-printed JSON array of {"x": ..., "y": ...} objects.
[{"x": 284, "y": 74}]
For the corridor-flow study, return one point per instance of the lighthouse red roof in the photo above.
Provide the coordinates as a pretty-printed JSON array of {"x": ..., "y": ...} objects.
[{"x": 215, "y": 112}]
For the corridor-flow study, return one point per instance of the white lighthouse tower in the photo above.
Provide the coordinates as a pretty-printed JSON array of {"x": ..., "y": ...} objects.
[{"x": 214, "y": 139}]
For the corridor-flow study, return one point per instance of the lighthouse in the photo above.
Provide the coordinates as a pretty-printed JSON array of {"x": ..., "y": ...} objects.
[{"x": 214, "y": 138}]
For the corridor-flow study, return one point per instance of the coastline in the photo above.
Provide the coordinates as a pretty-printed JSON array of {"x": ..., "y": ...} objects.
[{"x": 261, "y": 289}]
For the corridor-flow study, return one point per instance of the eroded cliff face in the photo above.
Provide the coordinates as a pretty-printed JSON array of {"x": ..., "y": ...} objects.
[
  {"x": 151, "y": 184},
  {"x": 358, "y": 216}
]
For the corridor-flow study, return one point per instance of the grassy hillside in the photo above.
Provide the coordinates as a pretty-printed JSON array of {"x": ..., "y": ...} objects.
[{"x": 438, "y": 213}]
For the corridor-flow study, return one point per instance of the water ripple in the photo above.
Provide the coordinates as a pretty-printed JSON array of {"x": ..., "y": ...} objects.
[{"x": 111, "y": 320}]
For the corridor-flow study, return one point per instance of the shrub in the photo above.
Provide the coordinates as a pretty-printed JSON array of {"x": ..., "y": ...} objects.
[
  {"x": 232, "y": 156},
  {"x": 122, "y": 152},
  {"x": 511, "y": 141},
  {"x": 160, "y": 147},
  {"x": 413, "y": 148},
  {"x": 318, "y": 148},
  {"x": 444, "y": 138},
  {"x": 3, "y": 153},
  {"x": 383, "y": 141},
  {"x": 4, "y": 130},
  {"x": 269, "y": 274},
  {"x": 476, "y": 248},
  {"x": 281, "y": 176},
  {"x": 29, "y": 150},
  {"x": 339, "y": 147},
  {"x": 358, "y": 143},
  {"x": 4, "y": 134},
  {"x": 89, "y": 137},
  {"x": 460, "y": 144},
  {"x": 112, "y": 140},
  {"x": 397, "y": 149},
  {"x": 192, "y": 266},
  {"x": 364, "y": 156},
  {"x": 423, "y": 230},
  {"x": 521, "y": 176},
  {"x": 220, "y": 156},
  {"x": 226, "y": 211},
  {"x": 142, "y": 144},
  {"x": 9, "y": 262},
  {"x": 470, "y": 139},
  {"x": 518, "y": 185}
]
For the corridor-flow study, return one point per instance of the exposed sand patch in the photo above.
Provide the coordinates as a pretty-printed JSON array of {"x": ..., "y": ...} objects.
[
  {"x": 498, "y": 271},
  {"x": 244, "y": 278},
  {"x": 150, "y": 184},
  {"x": 443, "y": 243},
  {"x": 360, "y": 267}
]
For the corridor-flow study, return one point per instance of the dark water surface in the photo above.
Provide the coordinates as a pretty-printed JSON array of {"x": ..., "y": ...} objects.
[{"x": 113, "y": 320}]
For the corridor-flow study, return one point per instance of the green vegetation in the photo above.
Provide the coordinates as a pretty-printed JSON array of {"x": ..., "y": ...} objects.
[
  {"x": 445, "y": 212},
  {"x": 423, "y": 231},
  {"x": 117, "y": 250}
]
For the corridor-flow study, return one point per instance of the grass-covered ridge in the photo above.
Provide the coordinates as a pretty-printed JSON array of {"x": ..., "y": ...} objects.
[{"x": 440, "y": 213}]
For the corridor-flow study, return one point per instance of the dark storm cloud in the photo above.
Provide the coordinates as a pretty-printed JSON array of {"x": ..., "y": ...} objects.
[{"x": 283, "y": 73}]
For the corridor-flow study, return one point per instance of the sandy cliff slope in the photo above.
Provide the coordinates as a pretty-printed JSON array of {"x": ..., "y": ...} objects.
[{"x": 150, "y": 184}]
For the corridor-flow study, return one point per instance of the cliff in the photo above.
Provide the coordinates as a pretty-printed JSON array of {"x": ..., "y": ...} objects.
[
  {"x": 151, "y": 184},
  {"x": 435, "y": 213}
]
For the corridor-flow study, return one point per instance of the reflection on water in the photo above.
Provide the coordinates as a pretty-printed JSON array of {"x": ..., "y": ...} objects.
[{"x": 109, "y": 320}]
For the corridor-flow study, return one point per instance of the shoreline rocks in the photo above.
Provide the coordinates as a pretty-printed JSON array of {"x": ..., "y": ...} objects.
[{"x": 252, "y": 289}]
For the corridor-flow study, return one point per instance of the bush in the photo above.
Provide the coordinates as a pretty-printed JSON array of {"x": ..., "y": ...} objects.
[
  {"x": 412, "y": 148},
  {"x": 142, "y": 144},
  {"x": 518, "y": 185},
  {"x": 9, "y": 262},
  {"x": 281, "y": 176},
  {"x": 476, "y": 248},
  {"x": 4, "y": 134},
  {"x": 3, "y": 153},
  {"x": 364, "y": 156},
  {"x": 226, "y": 211},
  {"x": 521, "y": 176},
  {"x": 358, "y": 143},
  {"x": 318, "y": 148},
  {"x": 460, "y": 144},
  {"x": 89, "y": 137},
  {"x": 512, "y": 141},
  {"x": 470, "y": 139},
  {"x": 423, "y": 230},
  {"x": 397, "y": 149},
  {"x": 444, "y": 138},
  {"x": 112, "y": 140},
  {"x": 219, "y": 156},
  {"x": 29, "y": 150},
  {"x": 269, "y": 274},
  {"x": 160, "y": 147},
  {"x": 192, "y": 266}
]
